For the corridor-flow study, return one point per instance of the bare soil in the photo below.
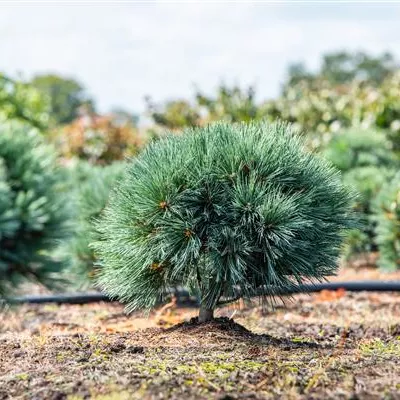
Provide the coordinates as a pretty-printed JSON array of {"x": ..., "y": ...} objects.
[{"x": 331, "y": 345}]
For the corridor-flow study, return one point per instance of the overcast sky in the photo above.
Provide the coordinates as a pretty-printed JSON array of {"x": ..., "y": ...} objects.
[{"x": 122, "y": 52}]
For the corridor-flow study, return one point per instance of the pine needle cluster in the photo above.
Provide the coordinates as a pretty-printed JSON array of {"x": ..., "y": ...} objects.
[
  {"x": 32, "y": 208},
  {"x": 223, "y": 209}
]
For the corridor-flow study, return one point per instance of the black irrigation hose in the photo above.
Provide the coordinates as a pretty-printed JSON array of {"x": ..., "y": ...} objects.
[
  {"x": 184, "y": 299},
  {"x": 68, "y": 298},
  {"x": 352, "y": 286}
]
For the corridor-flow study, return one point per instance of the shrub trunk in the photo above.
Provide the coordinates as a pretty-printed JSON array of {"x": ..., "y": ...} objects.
[{"x": 205, "y": 314}]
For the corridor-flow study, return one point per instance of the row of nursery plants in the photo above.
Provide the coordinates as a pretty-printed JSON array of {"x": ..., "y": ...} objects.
[
  {"x": 50, "y": 210},
  {"x": 46, "y": 210}
]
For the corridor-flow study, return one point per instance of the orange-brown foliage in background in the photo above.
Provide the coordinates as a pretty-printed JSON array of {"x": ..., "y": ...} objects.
[{"x": 100, "y": 139}]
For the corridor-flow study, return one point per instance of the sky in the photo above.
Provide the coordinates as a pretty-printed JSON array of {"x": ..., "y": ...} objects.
[{"x": 123, "y": 52}]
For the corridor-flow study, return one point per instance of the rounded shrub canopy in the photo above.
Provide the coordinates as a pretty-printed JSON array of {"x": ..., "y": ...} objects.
[
  {"x": 223, "y": 209},
  {"x": 33, "y": 215}
]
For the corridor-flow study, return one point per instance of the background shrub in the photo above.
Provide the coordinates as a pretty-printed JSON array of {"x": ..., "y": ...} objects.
[
  {"x": 319, "y": 105},
  {"x": 356, "y": 148},
  {"x": 98, "y": 139},
  {"x": 387, "y": 216},
  {"x": 33, "y": 217},
  {"x": 367, "y": 162},
  {"x": 366, "y": 181},
  {"x": 93, "y": 184},
  {"x": 21, "y": 101}
]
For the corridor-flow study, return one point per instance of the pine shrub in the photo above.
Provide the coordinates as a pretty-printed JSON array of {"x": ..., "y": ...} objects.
[
  {"x": 367, "y": 182},
  {"x": 93, "y": 184},
  {"x": 356, "y": 148},
  {"x": 367, "y": 162},
  {"x": 387, "y": 216},
  {"x": 224, "y": 210},
  {"x": 33, "y": 216}
]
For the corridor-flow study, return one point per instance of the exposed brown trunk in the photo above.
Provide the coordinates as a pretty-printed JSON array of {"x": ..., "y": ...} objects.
[{"x": 205, "y": 314}]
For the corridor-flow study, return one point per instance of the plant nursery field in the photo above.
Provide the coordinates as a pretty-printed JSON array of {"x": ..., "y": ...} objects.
[
  {"x": 320, "y": 346},
  {"x": 250, "y": 185}
]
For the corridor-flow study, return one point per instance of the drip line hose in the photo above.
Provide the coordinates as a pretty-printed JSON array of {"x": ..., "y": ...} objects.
[{"x": 185, "y": 299}]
